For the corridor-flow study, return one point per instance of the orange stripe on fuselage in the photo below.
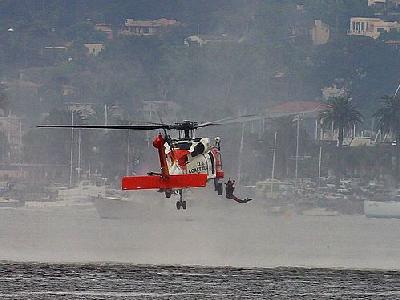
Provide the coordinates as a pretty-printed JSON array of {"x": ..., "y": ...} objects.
[{"x": 157, "y": 182}]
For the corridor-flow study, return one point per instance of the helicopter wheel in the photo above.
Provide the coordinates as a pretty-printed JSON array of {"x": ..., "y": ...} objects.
[{"x": 180, "y": 204}]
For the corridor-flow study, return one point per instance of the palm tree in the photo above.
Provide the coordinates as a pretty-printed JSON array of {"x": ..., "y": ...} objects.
[
  {"x": 342, "y": 116},
  {"x": 388, "y": 121}
]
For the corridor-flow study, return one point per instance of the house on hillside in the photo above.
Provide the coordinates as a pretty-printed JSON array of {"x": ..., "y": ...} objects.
[
  {"x": 54, "y": 50},
  {"x": 383, "y": 3},
  {"x": 371, "y": 27},
  {"x": 334, "y": 90},
  {"x": 54, "y": 53},
  {"x": 395, "y": 3},
  {"x": 147, "y": 27},
  {"x": 303, "y": 29},
  {"x": 94, "y": 49},
  {"x": 395, "y": 44},
  {"x": 376, "y": 2},
  {"x": 106, "y": 28},
  {"x": 320, "y": 33},
  {"x": 202, "y": 39}
]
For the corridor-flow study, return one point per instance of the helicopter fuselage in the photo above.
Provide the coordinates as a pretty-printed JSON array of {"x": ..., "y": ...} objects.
[
  {"x": 194, "y": 156},
  {"x": 184, "y": 163}
]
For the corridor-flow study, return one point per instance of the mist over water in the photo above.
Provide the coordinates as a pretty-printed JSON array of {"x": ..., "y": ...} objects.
[{"x": 213, "y": 231}]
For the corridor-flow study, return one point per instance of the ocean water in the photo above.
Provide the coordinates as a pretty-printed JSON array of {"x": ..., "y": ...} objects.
[
  {"x": 126, "y": 281},
  {"x": 237, "y": 235},
  {"x": 214, "y": 250}
]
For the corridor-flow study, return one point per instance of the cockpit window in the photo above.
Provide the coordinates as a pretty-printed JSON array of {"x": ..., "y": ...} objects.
[{"x": 183, "y": 145}]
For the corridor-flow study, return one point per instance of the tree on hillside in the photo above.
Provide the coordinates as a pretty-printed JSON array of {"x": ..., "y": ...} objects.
[
  {"x": 341, "y": 115},
  {"x": 388, "y": 122}
]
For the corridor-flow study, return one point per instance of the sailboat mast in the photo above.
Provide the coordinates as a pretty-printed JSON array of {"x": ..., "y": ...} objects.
[
  {"x": 79, "y": 155},
  {"x": 71, "y": 170}
]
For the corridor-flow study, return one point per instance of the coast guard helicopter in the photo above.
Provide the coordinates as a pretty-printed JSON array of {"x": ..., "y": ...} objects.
[{"x": 185, "y": 162}]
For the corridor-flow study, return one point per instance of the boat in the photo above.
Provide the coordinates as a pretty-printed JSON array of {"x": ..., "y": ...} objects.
[
  {"x": 83, "y": 192},
  {"x": 319, "y": 212},
  {"x": 382, "y": 209},
  {"x": 10, "y": 203}
]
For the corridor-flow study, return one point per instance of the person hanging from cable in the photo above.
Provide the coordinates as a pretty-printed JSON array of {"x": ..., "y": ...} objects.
[{"x": 230, "y": 188}]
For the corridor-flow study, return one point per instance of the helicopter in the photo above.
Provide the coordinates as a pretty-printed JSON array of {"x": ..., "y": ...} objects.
[{"x": 185, "y": 162}]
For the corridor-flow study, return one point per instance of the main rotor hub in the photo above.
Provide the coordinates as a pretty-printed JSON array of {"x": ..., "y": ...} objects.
[{"x": 187, "y": 127}]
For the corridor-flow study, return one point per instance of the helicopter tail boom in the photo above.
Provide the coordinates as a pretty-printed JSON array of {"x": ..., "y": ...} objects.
[{"x": 158, "y": 182}]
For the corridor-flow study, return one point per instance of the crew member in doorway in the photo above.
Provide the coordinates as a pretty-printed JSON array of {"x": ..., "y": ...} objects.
[{"x": 229, "y": 189}]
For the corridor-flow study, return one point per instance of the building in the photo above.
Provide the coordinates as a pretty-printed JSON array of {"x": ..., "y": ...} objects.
[
  {"x": 320, "y": 33},
  {"x": 114, "y": 111},
  {"x": 94, "y": 49},
  {"x": 393, "y": 43},
  {"x": 383, "y": 3},
  {"x": 11, "y": 127},
  {"x": 395, "y": 3},
  {"x": 54, "y": 50},
  {"x": 307, "y": 110},
  {"x": 106, "y": 28},
  {"x": 371, "y": 27},
  {"x": 147, "y": 27},
  {"x": 201, "y": 40},
  {"x": 333, "y": 91},
  {"x": 85, "y": 110},
  {"x": 376, "y": 2}
]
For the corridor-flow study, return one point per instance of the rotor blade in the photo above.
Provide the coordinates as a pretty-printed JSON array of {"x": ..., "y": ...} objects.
[
  {"x": 231, "y": 120},
  {"x": 205, "y": 124},
  {"x": 129, "y": 127},
  {"x": 249, "y": 118}
]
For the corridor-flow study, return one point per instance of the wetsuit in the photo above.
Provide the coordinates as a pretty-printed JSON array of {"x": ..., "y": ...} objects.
[{"x": 229, "y": 192}]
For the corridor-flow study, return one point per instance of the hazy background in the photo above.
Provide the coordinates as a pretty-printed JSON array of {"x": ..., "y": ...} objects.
[{"x": 259, "y": 53}]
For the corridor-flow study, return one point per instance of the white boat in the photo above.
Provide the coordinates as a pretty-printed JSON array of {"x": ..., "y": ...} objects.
[
  {"x": 319, "y": 212},
  {"x": 83, "y": 192},
  {"x": 57, "y": 204},
  {"x": 382, "y": 209},
  {"x": 10, "y": 203}
]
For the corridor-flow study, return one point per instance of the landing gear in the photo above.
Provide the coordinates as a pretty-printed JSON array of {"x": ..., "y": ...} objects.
[{"x": 180, "y": 204}]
